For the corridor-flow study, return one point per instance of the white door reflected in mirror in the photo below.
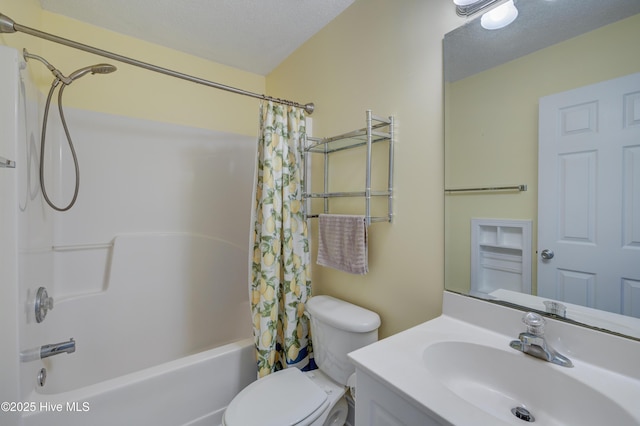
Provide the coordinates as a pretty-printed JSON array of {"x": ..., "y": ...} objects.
[{"x": 590, "y": 156}]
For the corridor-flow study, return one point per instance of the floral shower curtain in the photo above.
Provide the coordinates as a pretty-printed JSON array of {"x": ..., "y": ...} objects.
[{"x": 280, "y": 276}]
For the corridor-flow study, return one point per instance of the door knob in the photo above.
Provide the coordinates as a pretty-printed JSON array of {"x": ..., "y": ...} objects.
[{"x": 547, "y": 254}]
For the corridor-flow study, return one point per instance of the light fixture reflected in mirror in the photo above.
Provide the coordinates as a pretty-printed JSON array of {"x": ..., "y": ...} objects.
[
  {"x": 499, "y": 17},
  {"x": 470, "y": 7},
  {"x": 498, "y": 13}
]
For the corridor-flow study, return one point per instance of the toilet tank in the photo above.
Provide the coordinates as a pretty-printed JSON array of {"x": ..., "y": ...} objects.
[{"x": 337, "y": 328}]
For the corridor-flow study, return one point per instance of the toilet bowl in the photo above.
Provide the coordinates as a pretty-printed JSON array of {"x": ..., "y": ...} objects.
[
  {"x": 289, "y": 397},
  {"x": 313, "y": 398}
]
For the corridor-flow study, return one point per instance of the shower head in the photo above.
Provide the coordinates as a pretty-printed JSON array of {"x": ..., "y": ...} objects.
[{"x": 93, "y": 69}]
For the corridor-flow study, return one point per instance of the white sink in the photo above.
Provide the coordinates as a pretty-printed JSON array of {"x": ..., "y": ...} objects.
[
  {"x": 459, "y": 369},
  {"x": 498, "y": 381}
]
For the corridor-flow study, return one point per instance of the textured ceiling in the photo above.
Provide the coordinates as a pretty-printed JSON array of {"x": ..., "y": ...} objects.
[
  {"x": 541, "y": 23},
  {"x": 252, "y": 35}
]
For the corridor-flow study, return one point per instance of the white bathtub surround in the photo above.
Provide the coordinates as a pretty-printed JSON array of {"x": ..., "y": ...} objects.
[
  {"x": 460, "y": 369},
  {"x": 183, "y": 294},
  {"x": 147, "y": 271},
  {"x": 280, "y": 281},
  {"x": 9, "y": 350}
]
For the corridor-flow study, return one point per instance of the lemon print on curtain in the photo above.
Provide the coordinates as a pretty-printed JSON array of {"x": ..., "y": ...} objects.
[{"x": 280, "y": 277}]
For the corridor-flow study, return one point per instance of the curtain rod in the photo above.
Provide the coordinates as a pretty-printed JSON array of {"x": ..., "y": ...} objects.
[{"x": 7, "y": 25}]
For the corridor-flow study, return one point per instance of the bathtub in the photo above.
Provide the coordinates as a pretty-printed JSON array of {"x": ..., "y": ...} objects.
[
  {"x": 192, "y": 391},
  {"x": 165, "y": 341}
]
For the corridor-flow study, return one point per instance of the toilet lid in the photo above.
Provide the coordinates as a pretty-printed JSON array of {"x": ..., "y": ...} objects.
[{"x": 286, "y": 397}]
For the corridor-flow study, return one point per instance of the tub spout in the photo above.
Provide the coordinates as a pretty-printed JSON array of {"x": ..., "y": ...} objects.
[
  {"x": 46, "y": 351},
  {"x": 58, "y": 348}
]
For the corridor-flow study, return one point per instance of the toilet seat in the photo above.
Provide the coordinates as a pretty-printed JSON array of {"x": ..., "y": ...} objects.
[{"x": 286, "y": 397}]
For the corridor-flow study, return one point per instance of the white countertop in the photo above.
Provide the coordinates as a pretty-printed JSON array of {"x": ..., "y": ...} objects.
[{"x": 398, "y": 361}]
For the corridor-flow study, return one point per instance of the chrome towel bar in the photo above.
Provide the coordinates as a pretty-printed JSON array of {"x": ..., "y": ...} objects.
[{"x": 489, "y": 188}]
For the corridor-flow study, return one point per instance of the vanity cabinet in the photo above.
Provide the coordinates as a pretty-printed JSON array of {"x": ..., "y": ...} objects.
[{"x": 377, "y": 404}]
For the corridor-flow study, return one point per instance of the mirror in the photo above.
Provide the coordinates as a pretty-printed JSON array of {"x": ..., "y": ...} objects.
[{"x": 494, "y": 80}]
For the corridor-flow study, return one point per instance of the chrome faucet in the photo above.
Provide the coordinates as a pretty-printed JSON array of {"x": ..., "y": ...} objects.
[
  {"x": 46, "y": 351},
  {"x": 532, "y": 341}
]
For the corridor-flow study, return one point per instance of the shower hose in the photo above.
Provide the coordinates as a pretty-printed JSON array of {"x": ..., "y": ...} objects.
[{"x": 54, "y": 84}]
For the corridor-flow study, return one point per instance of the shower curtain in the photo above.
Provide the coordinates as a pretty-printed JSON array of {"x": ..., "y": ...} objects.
[{"x": 280, "y": 276}]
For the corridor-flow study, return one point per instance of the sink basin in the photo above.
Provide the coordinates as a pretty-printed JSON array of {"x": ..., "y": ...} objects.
[
  {"x": 458, "y": 369},
  {"x": 497, "y": 381}
]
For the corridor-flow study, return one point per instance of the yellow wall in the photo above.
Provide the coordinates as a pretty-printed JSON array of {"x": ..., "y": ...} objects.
[
  {"x": 385, "y": 56},
  {"x": 132, "y": 91},
  {"x": 492, "y": 133},
  {"x": 19, "y": 11}
]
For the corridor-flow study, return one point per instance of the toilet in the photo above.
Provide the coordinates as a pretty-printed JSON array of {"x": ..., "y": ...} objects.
[{"x": 313, "y": 398}]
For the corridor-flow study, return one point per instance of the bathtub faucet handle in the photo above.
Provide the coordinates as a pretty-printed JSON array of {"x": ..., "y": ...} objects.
[{"x": 43, "y": 304}]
